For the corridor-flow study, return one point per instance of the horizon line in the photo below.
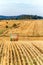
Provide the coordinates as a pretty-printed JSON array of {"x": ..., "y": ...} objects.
[{"x": 22, "y": 14}]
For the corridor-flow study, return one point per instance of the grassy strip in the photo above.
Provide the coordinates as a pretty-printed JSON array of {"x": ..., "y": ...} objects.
[{"x": 1, "y": 31}]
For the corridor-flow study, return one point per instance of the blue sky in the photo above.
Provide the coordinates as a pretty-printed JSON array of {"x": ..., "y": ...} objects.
[{"x": 18, "y": 7}]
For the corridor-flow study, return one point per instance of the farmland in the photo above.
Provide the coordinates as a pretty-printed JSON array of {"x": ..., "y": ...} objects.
[
  {"x": 21, "y": 53},
  {"x": 26, "y": 29},
  {"x": 28, "y": 50}
]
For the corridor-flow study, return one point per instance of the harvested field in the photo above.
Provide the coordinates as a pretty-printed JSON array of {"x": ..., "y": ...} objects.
[
  {"x": 26, "y": 29},
  {"x": 28, "y": 49},
  {"x": 21, "y": 53}
]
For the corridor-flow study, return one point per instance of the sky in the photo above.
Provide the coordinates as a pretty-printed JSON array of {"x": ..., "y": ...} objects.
[{"x": 19, "y": 7}]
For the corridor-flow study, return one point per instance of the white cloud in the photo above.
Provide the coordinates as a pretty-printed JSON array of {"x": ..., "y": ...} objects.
[
  {"x": 33, "y": 2},
  {"x": 14, "y": 7}
]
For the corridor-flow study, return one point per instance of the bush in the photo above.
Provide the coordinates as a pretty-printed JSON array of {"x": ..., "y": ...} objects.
[
  {"x": 15, "y": 25},
  {"x": 6, "y": 26},
  {"x": 7, "y": 22}
]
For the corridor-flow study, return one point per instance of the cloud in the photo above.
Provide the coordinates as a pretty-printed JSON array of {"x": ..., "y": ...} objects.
[{"x": 16, "y": 7}]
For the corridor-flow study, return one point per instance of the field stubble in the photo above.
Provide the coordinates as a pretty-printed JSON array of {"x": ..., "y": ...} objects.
[
  {"x": 21, "y": 53},
  {"x": 25, "y": 51}
]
